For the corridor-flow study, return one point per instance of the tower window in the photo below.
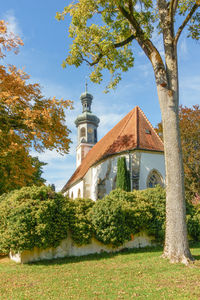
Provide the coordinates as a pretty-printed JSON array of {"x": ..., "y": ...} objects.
[
  {"x": 82, "y": 132},
  {"x": 95, "y": 135}
]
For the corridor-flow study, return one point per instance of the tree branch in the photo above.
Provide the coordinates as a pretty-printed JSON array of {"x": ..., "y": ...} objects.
[
  {"x": 130, "y": 5},
  {"x": 172, "y": 9},
  {"x": 116, "y": 45},
  {"x": 194, "y": 8},
  {"x": 125, "y": 42}
]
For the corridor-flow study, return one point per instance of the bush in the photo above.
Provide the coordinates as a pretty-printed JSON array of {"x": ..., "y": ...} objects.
[
  {"x": 108, "y": 217},
  {"x": 121, "y": 214},
  {"x": 39, "y": 217},
  {"x": 154, "y": 201},
  {"x": 193, "y": 224},
  {"x": 79, "y": 222},
  {"x": 32, "y": 217}
]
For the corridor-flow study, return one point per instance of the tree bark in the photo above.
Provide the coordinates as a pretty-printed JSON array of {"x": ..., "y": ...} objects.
[{"x": 176, "y": 241}]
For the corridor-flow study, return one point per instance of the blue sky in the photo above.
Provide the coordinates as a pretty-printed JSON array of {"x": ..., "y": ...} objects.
[{"x": 46, "y": 44}]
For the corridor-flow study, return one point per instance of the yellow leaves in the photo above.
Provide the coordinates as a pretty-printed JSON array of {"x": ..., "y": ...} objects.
[
  {"x": 8, "y": 41},
  {"x": 3, "y": 27}
]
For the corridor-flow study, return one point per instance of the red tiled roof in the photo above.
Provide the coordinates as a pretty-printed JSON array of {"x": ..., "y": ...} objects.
[{"x": 134, "y": 131}]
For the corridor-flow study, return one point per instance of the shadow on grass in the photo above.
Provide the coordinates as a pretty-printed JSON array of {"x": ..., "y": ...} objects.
[
  {"x": 97, "y": 257},
  {"x": 105, "y": 255},
  {"x": 196, "y": 257}
]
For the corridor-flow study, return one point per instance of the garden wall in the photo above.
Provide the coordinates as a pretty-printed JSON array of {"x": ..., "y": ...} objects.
[{"x": 68, "y": 248}]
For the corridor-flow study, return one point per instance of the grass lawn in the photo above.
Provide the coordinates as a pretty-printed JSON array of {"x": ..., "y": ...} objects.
[{"x": 140, "y": 274}]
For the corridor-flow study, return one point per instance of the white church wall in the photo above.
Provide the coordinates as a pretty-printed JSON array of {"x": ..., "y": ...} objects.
[
  {"x": 106, "y": 170},
  {"x": 76, "y": 190},
  {"x": 68, "y": 248},
  {"x": 148, "y": 162}
]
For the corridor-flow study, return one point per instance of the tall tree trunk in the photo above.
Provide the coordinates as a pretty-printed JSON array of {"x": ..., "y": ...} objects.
[{"x": 176, "y": 241}]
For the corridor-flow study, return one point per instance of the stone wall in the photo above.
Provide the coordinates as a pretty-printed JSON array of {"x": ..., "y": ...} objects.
[{"x": 68, "y": 248}]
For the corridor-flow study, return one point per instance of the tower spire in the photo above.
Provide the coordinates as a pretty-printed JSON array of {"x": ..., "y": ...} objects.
[{"x": 86, "y": 124}]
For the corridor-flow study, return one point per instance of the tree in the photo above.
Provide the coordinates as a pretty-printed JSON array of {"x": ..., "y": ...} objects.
[
  {"x": 37, "y": 174},
  {"x": 27, "y": 119},
  {"x": 123, "y": 176},
  {"x": 190, "y": 140},
  {"x": 102, "y": 33}
]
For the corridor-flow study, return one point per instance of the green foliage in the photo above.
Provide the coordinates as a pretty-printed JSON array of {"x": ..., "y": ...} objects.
[
  {"x": 121, "y": 213},
  {"x": 79, "y": 222},
  {"x": 154, "y": 202},
  {"x": 193, "y": 223},
  {"x": 32, "y": 216},
  {"x": 103, "y": 31},
  {"x": 123, "y": 176},
  {"x": 37, "y": 174},
  {"x": 108, "y": 217},
  {"x": 39, "y": 217}
]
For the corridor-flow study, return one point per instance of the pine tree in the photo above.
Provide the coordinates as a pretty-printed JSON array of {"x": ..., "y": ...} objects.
[{"x": 123, "y": 175}]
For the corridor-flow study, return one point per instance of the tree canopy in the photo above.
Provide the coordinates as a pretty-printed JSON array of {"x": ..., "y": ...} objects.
[
  {"x": 102, "y": 31},
  {"x": 27, "y": 119}
]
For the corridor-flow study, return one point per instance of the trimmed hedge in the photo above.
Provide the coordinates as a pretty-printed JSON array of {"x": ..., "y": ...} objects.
[
  {"x": 121, "y": 214},
  {"x": 79, "y": 221},
  {"x": 39, "y": 217},
  {"x": 32, "y": 217}
]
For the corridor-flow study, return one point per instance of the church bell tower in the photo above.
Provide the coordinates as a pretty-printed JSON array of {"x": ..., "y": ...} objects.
[{"x": 86, "y": 124}]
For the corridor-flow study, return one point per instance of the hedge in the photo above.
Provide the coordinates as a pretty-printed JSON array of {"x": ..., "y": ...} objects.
[
  {"x": 39, "y": 217},
  {"x": 32, "y": 217}
]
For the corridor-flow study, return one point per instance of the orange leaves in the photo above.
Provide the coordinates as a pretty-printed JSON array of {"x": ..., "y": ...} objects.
[
  {"x": 37, "y": 120},
  {"x": 8, "y": 41},
  {"x": 190, "y": 140},
  {"x": 27, "y": 119}
]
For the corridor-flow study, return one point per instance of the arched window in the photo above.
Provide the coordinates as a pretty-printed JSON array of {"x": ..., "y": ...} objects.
[
  {"x": 154, "y": 178},
  {"x": 82, "y": 132},
  {"x": 72, "y": 195},
  {"x": 79, "y": 193}
]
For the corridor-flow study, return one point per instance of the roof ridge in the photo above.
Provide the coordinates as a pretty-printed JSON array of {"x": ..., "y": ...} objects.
[
  {"x": 136, "y": 127},
  {"x": 149, "y": 124}
]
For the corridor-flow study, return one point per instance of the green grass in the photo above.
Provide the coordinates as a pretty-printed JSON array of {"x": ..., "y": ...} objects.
[{"x": 140, "y": 274}]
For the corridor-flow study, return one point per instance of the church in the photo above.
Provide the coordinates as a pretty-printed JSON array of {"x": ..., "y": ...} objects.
[{"x": 96, "y": 161}]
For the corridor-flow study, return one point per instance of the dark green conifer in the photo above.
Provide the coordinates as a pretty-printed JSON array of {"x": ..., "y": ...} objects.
[{"x": 123, "y": 175}]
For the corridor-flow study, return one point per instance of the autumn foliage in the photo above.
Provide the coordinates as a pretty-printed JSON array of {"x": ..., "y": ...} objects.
[
  {"x": 27, "y": 119},
  {"x": 190, "y": 139}
]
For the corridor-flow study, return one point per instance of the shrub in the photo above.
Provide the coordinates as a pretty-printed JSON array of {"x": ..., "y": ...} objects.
[
  {"x": 193, "y": 223},
  {"x": 154, "y": 200},
  {"x": 121, "y": 213},
  {"x": 79, "y": 221},
  {"x": 39, "y": 217},
  {"x": 32, "y": 216},
  {"x": 108, "y": 218}
]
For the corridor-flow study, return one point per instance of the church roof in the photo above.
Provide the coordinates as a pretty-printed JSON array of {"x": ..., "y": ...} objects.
[{"x": 133, "y": 132}]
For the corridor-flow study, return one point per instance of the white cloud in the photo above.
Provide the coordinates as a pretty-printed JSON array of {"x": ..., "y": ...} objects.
[{"x": 13, "y": 25}]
